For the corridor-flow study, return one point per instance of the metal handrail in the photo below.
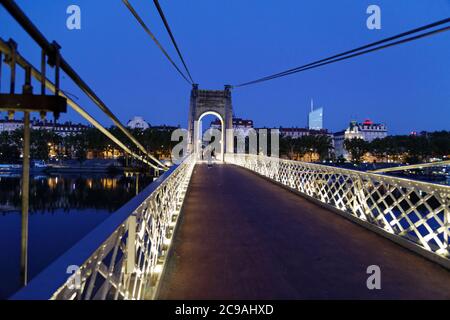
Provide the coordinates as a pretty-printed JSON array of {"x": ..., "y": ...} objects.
[
  {"x": 413, "y": 166},
  {"x": 123, "y": 257}
]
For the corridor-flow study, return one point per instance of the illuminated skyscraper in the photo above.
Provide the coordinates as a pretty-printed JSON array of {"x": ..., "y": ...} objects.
[{"x": 315, "y": 118}]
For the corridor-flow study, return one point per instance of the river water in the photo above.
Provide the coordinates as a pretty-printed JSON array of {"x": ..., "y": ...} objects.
[{"x": 63, "y": 209}]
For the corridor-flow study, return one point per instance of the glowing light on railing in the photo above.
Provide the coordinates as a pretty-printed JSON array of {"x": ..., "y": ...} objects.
[
  {"x": 167, "y": 241},
  {"x": 158, "y": 268}
]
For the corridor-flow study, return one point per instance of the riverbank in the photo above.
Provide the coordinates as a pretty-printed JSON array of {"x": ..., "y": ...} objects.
[{"x": 72, "y": 166}]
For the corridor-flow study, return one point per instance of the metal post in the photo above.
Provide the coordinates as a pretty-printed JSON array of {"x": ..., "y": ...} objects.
[
  {"x": 13, "y": 46},
  {"x": 56, "y": 47},
  {"x": 25, "y": 199},
  {"x": 43, "y": 71},
  {"x": 1, "y": 62},
  {"x": 27, "y": 89},
  {"x": 13, "y": 68},
  {"x": 137, "y": 184},
  {"x": 57, "y": 73},
  {"x": 43, "y": 78},
  {"x": 131, "y": 245},
  {"x": 446, "y": 223},
  {"x": 12, "y": 62}
]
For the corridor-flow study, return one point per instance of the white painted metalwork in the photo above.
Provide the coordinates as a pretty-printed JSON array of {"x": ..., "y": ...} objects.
[
  {"x": 124, "y": 257},
  {"x": 414, "y": 210},
  {"x": 414, "y": 166}
]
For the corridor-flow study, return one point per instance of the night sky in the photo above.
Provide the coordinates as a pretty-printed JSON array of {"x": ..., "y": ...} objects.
[{"x": 232, "y": 41}]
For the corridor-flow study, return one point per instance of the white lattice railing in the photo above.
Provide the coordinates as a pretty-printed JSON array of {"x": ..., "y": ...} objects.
[
  {"x": 413, "y": 210},
  {"x": 124, "y": 256}
]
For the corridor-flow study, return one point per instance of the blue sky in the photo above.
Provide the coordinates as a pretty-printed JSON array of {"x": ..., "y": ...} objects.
[{"x": 231, "y": 41}]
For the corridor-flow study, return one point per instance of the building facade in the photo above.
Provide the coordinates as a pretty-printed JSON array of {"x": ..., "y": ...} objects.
[
  {"x": 241, "y": 127},
  {"x": 62, "y": 129},
  {"x": 315, "y": 119},
  {"x": 368, "y": 131},
  {"x": 10, "y": 125},
  {"x": 296, "y": 133}
]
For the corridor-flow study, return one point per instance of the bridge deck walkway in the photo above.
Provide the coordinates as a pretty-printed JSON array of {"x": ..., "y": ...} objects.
[{"x": 242, "y": 237}]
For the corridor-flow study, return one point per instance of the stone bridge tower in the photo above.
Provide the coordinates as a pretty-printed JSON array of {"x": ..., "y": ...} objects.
[{"x": 216, "y": 102}]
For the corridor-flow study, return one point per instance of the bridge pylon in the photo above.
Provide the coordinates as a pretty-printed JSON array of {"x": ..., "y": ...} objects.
[{"x": 211, "y": 102}]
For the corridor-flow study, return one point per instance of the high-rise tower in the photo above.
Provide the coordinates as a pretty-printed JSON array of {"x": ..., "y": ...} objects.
[{"x": 315, "y": 118}]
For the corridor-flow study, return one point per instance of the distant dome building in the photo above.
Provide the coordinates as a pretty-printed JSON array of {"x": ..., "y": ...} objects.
[{"x": 138, "y": 123}]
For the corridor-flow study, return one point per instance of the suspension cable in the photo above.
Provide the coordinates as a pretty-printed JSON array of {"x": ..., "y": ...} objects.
[
  {"x": 347, "y": 53},
  {"x": 144, "y": 26},
  {"x": 358, "y": 53},
  {"x": 21, "y": 61},
  {"x": 49, "y": 49},
  {"x": 166, "y": 24}
]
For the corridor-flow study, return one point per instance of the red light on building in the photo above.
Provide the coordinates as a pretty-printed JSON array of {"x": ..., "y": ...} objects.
[{"x": 368, "y": 122}]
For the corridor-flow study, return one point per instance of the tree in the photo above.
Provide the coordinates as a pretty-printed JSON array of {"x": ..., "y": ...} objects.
[
  {"x": 378, "y": 148},
  {"x": 96, "y": 141},
  {"x": 157, "y": 141},
  {"x": 440, "y": 143},
  {"x": 414, "y": 149},
  {"x": 295, "y": 148},
  {"x": 322, "y": 145},
  {"x": 9, "y": 150},
  {"x": 41, "y": 142},
  {"x": 288, "y": 147},
  {"x": 76, "y": 146},
  {"x": 419, "y": 149},
  {"x": 357, "y": 148}
]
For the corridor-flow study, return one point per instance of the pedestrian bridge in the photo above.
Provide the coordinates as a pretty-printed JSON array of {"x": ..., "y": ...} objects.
[{"x": 257, "y": 227}]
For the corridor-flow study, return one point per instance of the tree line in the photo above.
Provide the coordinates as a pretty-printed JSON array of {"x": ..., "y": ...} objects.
[
  {"x": 403, "y": 148},
  {"x": 297, "y": 148},
  {"x": 77, "y": 146}
]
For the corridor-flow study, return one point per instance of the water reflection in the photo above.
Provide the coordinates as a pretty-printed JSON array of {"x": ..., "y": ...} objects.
[
  {"x": 63, "y": 209},
  {"x": 66, "y": 192}
]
